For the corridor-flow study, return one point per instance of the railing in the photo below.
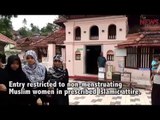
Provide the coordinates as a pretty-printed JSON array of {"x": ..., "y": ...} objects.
[
  {"x": 112, "y": 37},
  {"x": 94, "y": 37},
  {"x": 77, "y": 38}
]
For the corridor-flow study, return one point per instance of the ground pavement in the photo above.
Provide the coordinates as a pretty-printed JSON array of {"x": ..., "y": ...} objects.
[{"x": 143, "y": 99}]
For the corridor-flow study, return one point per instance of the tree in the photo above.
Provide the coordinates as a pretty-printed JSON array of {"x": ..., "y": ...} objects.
[
  {"x": 24, "y": 32},
  {"x": 31, "y": 25},
  {"x": 49, "y": 29},
  {"x": 62, "y": 16},
  {"x": 6, "y": 25},
  {"x": 24, "y": 21},
  {"x": 43, "y": 31},
  {"x": 8, "y": 16},
  {"x": 34, "y": 29}
]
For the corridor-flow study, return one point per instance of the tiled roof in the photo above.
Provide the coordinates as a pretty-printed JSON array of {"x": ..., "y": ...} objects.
[
  {"x": 82, "y": 16},
  {"x": 142, "y": 39},
  {"x": 60, "y": 20},
  {"x": 151, "y": 28},
  {"x": 152, "y": 39},
  {"x": 57, "y": 37},
  {"x": 5, "y": 39},
  {"x": 64, "y": 18},
  {"x": 26, "y": 43}
]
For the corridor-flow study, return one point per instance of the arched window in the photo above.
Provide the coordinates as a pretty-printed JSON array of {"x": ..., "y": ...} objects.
[
  {"x": 94, "y": 33},
  {"x": 112, "y": 32},
  {"x": 110, "y": 55},
  {"x": 77, "y": 33}
]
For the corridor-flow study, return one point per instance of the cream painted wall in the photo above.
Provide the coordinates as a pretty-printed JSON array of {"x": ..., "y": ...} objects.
[
  {"x": 78, "y": 67},
  {"x": 101, "y": 22},
  {"x": 70, "y": 59},
  {"x": 106, "y": 48},
  {"x": 140, "y": 76},
  {"x": 51, "y": 53}
]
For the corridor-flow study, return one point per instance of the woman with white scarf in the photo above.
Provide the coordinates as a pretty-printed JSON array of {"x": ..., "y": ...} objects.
[{"x": 35, "y": 72}]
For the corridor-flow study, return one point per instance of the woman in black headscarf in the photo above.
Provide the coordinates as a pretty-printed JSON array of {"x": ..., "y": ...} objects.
[
  {"x": 3, "y": 88},
  {"x": 58, "y": 74},
  {"x": 13, "y": 73}
]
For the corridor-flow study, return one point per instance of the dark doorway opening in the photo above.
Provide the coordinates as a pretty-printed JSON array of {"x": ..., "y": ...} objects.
[
  {"x": 92, "y": 53},
  {"x": 156, "y": 50}
]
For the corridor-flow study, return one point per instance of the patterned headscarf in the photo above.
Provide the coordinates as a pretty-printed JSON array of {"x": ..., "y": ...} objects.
[
  {"x": 57, "y": 73},
  {"x": 58, "y": 57},
  {"x": 36, "y": 73}
]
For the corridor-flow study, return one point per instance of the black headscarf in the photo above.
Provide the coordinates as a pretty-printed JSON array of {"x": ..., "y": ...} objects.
[
  {"x": 11, "y": 74},
  {"x": 10, "y": 61}
]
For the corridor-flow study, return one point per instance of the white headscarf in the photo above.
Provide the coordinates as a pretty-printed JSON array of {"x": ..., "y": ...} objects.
[{"x": 36, "y": 72}]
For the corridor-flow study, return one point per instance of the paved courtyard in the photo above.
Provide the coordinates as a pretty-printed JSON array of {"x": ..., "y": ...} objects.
[{"x": 143, "y": 99}]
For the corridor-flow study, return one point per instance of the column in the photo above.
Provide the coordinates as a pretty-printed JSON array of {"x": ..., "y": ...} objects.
[{"x": 51, "y": 53}]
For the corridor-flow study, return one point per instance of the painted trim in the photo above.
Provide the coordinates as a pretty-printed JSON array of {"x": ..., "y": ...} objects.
[{"x": 95, "y": 42}]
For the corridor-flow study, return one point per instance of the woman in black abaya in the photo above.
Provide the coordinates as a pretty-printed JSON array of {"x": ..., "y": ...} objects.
[{"x": 13, "y": 72}]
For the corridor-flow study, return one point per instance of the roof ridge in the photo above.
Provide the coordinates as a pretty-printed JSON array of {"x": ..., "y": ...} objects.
[{"x": 6, "y": 39}]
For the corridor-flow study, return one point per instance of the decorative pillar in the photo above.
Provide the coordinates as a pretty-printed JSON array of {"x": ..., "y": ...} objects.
[
  {"x": 63, "y": 51},
  {"x": 51, "y": 53}
]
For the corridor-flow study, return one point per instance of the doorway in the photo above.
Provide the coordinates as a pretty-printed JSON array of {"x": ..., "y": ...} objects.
[{"x": 92, "y": 53}]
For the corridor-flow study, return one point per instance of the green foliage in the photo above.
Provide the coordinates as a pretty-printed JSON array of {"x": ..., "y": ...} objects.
[
  {"x": 6, "y": 27},
  {"x": 24, "y": 32},
  {"x": 8, "y": 16},
  {"x": 34, "y": 29},
  {"x": 49, "y": 29}
]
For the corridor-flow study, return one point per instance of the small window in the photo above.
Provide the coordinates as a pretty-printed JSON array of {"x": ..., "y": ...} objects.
[
  {"x": 58, "y": 50},
  {"x": 94, "y": 33},
  {"x": 77, "y": 33},
  {"x": 110, "y": 55},
  {"x": 112, "y": 32}
]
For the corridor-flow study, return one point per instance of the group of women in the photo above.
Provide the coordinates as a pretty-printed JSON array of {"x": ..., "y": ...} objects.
[{"x": 32, "y": 72}]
